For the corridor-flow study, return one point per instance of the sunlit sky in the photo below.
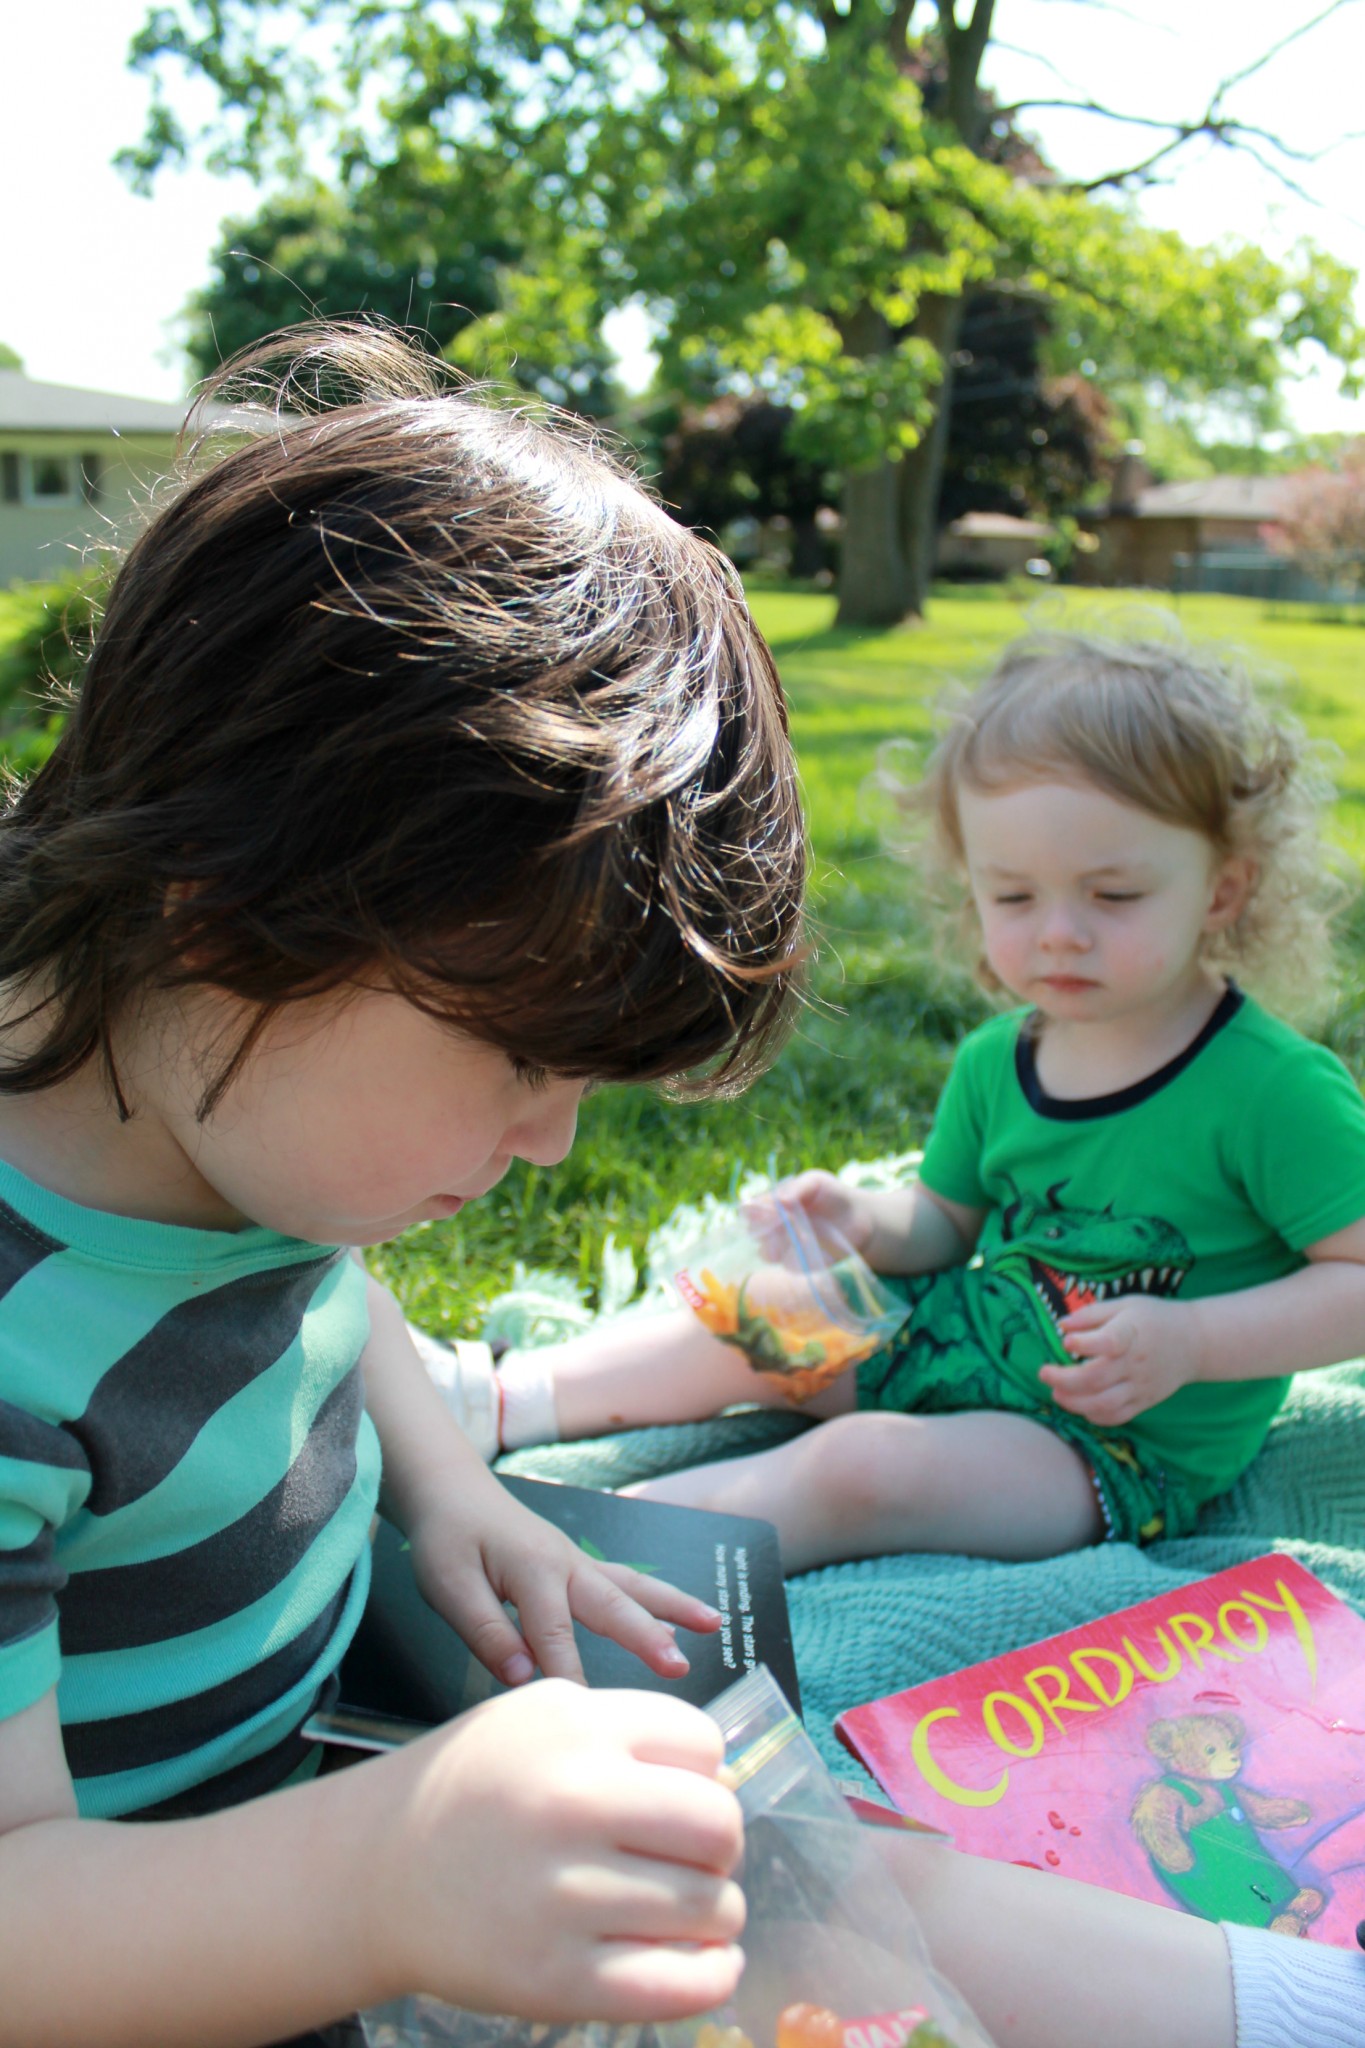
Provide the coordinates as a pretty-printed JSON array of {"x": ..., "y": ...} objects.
[{"x": 93, "y": 277}]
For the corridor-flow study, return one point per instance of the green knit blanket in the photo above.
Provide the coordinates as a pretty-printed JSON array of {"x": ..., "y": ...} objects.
[{"x": 870, "y": 1628}]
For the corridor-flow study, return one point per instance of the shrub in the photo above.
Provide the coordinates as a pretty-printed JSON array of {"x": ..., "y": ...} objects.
[{"x": 45, "y": 633}]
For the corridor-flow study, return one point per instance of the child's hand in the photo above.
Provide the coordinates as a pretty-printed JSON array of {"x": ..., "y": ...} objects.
[
  {"x": 825, "y": 1199},
  {"x": 477, "y": 1548},
  {"x": 562, "y": 1855},
  {"x": 1134, "y": 1352}
]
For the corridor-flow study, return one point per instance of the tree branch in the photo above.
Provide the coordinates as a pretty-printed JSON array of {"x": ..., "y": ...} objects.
[
  {"x": 1259, "y": 63},
  {"x": 1224, "y": 130},
  {"x": 1214, "y": 123},
  {"x": 898, "y": 34},
  {"x": 673, "y": 29},
  {"x": 1137, "y": 170},
  {"x": 1085, "y": 107},
  {"x": 965, "y": 45}
]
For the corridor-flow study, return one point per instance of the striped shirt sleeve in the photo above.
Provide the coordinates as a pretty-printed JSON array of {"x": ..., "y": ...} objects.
[{"x": 44, "y": 1478}]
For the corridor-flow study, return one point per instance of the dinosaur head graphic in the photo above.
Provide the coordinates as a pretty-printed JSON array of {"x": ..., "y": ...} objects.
[{"x": 1067, "y": 1257}]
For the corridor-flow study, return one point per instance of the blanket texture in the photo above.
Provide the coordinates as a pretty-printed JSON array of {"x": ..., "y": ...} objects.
[{"x": 864, "y": 1629}]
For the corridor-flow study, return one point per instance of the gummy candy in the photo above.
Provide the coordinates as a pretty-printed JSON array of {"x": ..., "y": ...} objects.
[
  {"x": 809, "y": 2026},
  {"x": 709, "y": 2035}
]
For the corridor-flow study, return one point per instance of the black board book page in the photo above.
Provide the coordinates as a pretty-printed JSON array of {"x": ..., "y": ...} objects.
[{"x": 408, "y": 1666}]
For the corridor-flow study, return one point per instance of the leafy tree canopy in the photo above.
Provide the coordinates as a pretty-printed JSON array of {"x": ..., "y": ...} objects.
[
  {"x": 10, "y": 359},
  {"x": 770, "y": 180},
  {"x": 382, "y": 249}
]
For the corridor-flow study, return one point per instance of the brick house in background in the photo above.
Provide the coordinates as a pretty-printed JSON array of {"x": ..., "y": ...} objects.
[
  {"x": 74, "y": 465},
  {"x": 1205, "y": 534}
]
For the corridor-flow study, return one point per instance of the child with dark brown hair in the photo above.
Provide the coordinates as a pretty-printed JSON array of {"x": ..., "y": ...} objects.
[{"x": 423, "y": 772}]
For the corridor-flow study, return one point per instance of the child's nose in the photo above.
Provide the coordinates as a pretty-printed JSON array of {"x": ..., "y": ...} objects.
[
  {"x": 545, "y": 1133},
  {"x": 1063, "y": 929}
]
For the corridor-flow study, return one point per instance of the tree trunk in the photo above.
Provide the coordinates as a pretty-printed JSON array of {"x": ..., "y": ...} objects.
[
  {"x": 809, "y": 551},
  {"x": 885, "y": 576},
  {"x": 921, "y": 473},
  {"x": 874, "y": 589}
]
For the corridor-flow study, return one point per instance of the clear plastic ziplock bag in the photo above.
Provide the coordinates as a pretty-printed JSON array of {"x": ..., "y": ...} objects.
[
  {"x": 834, "y": 1955},
  {"x": 786, "y": 1289}
]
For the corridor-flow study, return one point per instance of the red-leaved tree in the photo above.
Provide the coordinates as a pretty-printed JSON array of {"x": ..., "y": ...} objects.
[{"x": 1320, "y": 525}]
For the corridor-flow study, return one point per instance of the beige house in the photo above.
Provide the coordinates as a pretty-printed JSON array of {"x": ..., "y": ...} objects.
[
  {"x": 991, "y": 544},
  {"x": 74, "y": 466},
  {"x": 1157, "y": 536}
]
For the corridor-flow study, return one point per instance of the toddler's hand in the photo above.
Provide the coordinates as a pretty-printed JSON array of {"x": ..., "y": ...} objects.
[
  {"x": 1133, "y": 1350},
  {"x": 474, "y": 1550},
  {"x": 825, "y": 1199},
  {"x": 562, "y": 1855}
]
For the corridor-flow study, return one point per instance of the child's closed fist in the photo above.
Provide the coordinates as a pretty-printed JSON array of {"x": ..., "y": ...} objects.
[
  {"x": 1132, "y": 1352},
  {"x": 563, "y": 1855}
]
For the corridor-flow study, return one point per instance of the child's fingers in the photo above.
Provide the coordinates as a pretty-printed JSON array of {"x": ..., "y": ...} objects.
[
  {"x": 1086, "y": 1346},
  {"x": 601, "y": 1605},
  {"x": 653, "y": 1981},
  {"x": 659, "y": 1728},
  {"x": 1073, "y": 1383},
  {"x": 491, "y": 1634},
  {"x": 1116, "y": 1405},
  {"x": 1103, "y": 1395},
  {"x": 1093, "y": 1316},
  {"x": 660, "y": 1598},
  {"x": 640, "y": 1898},
  {"x": 545, "y": 1610},
  {"x": 684, "y": 1817},
  {"x": 803, "y": 1187}
]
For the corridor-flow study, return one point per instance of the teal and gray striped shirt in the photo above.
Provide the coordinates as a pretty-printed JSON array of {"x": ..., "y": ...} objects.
[{"x": 187, "y": 1477}]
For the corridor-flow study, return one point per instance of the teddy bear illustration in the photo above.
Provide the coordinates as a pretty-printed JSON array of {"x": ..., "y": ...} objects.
[{"x": 1198, "y": 1824}]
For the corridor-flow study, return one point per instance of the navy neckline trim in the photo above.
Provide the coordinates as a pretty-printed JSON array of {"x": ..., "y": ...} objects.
[{"x": 1063, "y": 1109}]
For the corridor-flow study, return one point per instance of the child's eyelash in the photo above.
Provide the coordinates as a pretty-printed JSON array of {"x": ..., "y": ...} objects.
[{"x": 530, "y": 1073}]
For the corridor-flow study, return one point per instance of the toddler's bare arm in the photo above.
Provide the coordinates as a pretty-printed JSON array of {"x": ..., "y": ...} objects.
[{"x": 1135, "y": 1350}]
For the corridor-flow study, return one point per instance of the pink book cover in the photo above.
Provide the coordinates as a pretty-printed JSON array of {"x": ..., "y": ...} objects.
[{"x": 1205, "y": 1750}]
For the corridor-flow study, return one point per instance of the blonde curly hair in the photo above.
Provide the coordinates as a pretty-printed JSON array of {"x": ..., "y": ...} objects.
[{"x": 1179, "y": 731}]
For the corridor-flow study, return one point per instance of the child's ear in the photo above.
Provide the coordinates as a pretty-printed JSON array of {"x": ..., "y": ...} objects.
[{"x": 1233, "y": 886}]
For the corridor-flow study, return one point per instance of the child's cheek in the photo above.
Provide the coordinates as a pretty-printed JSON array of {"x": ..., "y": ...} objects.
[{"x": 1006, "y": 951}]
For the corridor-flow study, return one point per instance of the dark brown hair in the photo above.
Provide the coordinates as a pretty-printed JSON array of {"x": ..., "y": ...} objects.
[{"x": 420, "y": 683}]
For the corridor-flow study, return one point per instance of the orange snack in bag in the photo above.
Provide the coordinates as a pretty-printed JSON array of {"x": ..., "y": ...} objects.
[
  {"x": 797, "y": 1342},
  {"x": 809, "y": 2026}
]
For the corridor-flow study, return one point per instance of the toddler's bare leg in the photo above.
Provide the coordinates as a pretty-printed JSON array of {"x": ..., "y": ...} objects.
[
  {"x": 865, "y": 1485},
  {"x": 665, "y": 1368},
  {"x": 1048, "y": 1963}
]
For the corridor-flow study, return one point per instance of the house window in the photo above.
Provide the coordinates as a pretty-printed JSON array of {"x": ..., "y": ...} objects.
[
  {"x": 56, "y": 479},
  {"x": 52, "y": 480}
]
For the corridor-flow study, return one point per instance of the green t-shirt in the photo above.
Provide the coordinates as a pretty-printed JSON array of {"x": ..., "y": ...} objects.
[{"x": 1208, "y": 1176}]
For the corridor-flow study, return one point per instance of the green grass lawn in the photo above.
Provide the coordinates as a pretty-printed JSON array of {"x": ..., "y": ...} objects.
[{"x": 862, "y": 1072}]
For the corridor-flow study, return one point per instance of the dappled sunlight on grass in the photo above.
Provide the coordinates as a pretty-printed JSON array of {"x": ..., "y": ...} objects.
[{"x": 868, "y": 1058}]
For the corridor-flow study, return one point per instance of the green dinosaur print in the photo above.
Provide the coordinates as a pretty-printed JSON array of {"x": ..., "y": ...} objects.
[{"x": 1060, "y": 1259}]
